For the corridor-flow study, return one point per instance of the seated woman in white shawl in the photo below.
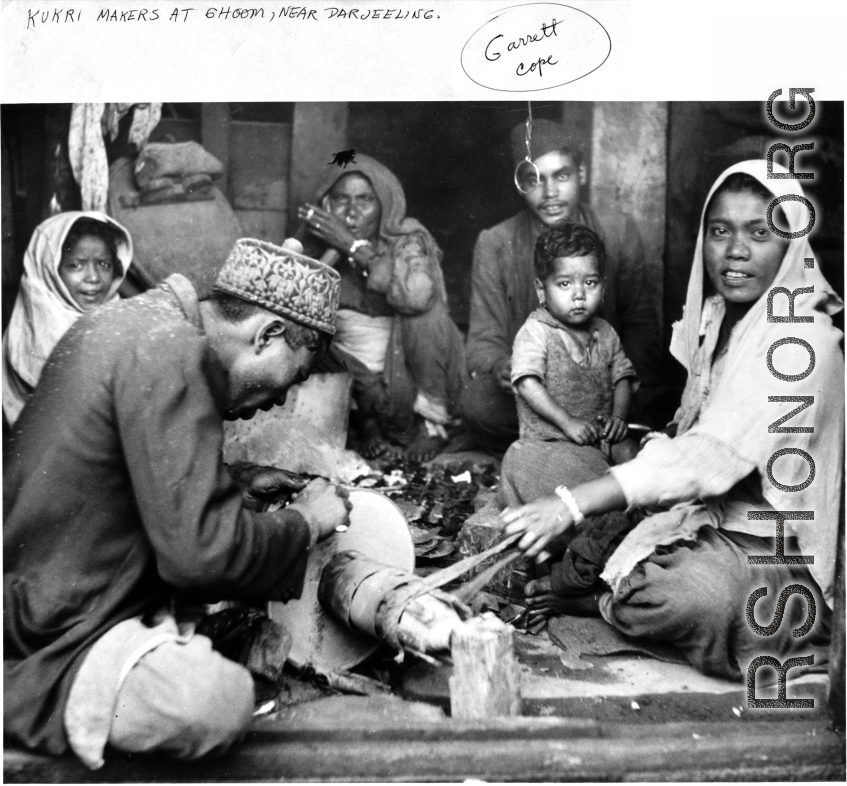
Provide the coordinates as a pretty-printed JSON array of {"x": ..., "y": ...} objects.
[
  {"x": 75, "y": 261},
  {"x": 683, "y": 575}
]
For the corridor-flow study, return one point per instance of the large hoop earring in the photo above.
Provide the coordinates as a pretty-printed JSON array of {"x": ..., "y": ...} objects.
[{"x": 528, "y": 158}]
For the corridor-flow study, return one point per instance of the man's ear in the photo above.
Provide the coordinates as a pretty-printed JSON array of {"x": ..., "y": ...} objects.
[
  {"x": 266, "y": 333},
  {"x": 539, "y": 290},
  {"x": 583, "y": 174}
]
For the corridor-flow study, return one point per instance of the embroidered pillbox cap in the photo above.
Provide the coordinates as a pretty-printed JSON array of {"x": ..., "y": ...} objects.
[{"x": 283, "y": 281}]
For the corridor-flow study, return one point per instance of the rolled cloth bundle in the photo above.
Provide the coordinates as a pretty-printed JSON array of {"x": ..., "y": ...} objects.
[
  {"x": 174, "y": 160},
  {"x": 389, "y": 604},
  {"x": 412, "y": 614}
]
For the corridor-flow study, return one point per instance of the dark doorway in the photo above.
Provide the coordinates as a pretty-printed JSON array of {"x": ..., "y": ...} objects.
[{"x": 455, "y": 167}]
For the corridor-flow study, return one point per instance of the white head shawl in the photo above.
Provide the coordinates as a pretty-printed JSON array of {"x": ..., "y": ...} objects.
[
  {"x": 44, "y": 308},
  {"x": 738, "y": 412}
]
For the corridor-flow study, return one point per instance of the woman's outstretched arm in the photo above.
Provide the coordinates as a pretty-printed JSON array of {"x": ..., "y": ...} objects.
[{"x": 549, "y": 517}]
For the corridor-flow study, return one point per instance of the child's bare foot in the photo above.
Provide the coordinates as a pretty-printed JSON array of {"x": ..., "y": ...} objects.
[
  {"x": 373, "y": 443},
  {"x": 425, "y": 446},
  {"x": 543, "y": 602}
]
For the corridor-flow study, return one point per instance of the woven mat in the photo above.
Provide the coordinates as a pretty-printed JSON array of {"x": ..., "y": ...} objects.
[{"x": 594, "y": 636}]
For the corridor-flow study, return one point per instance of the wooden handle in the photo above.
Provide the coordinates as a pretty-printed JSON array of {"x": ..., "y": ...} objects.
[
  {"x": 467, "y": 593},
  {"x": 445, "y": 576},
  {"x": 330, "y": 257}
]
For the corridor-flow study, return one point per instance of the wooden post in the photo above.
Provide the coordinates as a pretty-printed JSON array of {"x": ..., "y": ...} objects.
[
  {"x": 578, "y": 120},
  {"x": 319, "y": 132},
  {"x": 61, "y": 191},
  {"x": 629, "y": 155},
  {"x": 486, "y": 678},
  {"x": 214, "y": 121}
]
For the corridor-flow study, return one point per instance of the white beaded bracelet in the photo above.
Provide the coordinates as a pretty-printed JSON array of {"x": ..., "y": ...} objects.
[
  {"x": 357, "y": 244},
  {"x": 564, "y": 494},
  {"x": 650, "y": 435}
]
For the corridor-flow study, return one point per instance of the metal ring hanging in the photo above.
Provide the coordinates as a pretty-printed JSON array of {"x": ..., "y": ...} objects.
[{"x": 521, "y": 167}]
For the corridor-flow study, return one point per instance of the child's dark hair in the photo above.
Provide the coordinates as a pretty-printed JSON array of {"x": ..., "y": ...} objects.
[
  {"x": 234, "y": 309},
  {"x": 738, "y": 183},
  {"x": 567, "y": 239},
  {"x": 89, "y": 227}
]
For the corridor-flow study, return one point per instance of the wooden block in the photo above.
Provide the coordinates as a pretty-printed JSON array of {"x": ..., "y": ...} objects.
[{"x": 486, "y": 678}]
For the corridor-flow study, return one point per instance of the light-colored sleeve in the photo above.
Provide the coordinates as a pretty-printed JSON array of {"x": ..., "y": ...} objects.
[
  {"x": 688, "y": 467},
  {"x": 529, "y": 352}
]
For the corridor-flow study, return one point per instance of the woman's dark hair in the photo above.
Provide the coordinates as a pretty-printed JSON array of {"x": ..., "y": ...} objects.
[
  {"x": 567, "y": 239},
  {"x": 234, "y": 309},
  {"x": 89, "y": 227},
  {"x": 738, "y": 183}
]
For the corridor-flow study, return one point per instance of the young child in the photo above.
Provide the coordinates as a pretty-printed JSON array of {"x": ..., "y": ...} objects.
[
  {"x": 572, "y": 379},
  {"x": 573, "y": 386}
]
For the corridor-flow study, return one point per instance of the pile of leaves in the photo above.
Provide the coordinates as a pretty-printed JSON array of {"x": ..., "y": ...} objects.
[{"x": 436, "y": 500}]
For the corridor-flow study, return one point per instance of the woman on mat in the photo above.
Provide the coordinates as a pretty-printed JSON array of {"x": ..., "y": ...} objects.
[
  {"x": 394, "y": 333},
  {"x": 682, "y": 575}
]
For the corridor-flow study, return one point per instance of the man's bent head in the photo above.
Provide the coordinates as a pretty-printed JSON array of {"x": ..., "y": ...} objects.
[{"x": 271, "y": 315}]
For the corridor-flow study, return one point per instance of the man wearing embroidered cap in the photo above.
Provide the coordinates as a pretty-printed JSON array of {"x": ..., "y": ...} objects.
[
  {"x": 115, "y": 494},
  {"x": 502, "y": 286},
  {"x": 259, "y": 284}
]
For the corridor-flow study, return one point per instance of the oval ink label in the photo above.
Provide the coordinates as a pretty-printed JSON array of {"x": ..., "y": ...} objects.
[{"x": 535, "y": 46}]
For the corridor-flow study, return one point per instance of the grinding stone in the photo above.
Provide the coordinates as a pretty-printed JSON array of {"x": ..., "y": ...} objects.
[{"x": 378, "y": 530}]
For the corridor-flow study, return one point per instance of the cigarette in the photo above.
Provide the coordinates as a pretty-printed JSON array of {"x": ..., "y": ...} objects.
[{"x": 341, "y": 528}]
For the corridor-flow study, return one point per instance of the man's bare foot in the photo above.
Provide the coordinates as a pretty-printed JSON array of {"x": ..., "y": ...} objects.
[
  {"x": 373, "y": 443},
  {"x": 543, "y": 602},
  {"x": 425, "y": 446}
]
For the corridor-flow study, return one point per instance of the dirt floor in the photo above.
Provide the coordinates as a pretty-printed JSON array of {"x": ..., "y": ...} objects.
[
  {"x": 595, "y": 706},
  {"x": 576, "y": 667}
]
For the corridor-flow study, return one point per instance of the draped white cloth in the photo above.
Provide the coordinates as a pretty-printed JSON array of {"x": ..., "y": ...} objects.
[
  {"x": 44, "y": 308},
  {"x": 724, "y": 449}
]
